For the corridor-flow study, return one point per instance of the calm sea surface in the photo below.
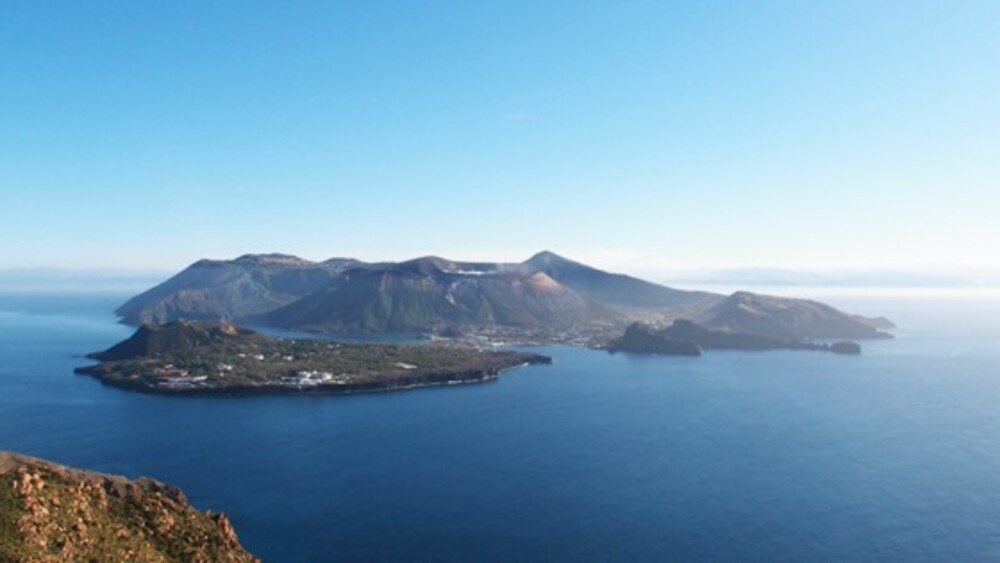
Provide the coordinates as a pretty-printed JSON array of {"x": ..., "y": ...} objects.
[{"x": 894, "y": 455}]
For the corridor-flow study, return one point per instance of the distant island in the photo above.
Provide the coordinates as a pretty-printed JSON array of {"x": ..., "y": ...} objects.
[
  {"x": 685, "y": 338},
  {"x": 545, "y": 299},
  {"x": 49, "y": 512},
  {"x": 197, "y": 357}
]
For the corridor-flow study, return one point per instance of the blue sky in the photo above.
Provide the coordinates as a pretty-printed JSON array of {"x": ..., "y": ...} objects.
[{"x": 641, "y": 136}]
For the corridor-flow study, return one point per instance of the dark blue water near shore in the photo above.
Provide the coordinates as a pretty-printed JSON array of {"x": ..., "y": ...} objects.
[{"x": 894, "y": 455}]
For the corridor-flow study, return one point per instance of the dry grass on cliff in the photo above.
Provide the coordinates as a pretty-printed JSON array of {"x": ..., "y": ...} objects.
[{"x": 51, "y": 513}]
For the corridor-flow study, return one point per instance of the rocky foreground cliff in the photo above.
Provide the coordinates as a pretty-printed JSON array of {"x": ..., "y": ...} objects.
[{"x": 53, "y": 513}]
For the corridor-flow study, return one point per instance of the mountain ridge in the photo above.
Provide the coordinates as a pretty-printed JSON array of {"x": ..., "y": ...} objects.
[
  {"x": 787, "y": 319},
  {"x": 546, "y": 294}
]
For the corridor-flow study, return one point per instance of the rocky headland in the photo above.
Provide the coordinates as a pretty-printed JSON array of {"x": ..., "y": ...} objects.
[
  {"x": 52, "y": 513},
  {"x": 686, "y": 338}
]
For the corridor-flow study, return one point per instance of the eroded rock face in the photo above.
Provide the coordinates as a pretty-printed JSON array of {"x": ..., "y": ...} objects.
[
  {"x": 640, "y": 338},
  {"x": 52, "y": 513}
]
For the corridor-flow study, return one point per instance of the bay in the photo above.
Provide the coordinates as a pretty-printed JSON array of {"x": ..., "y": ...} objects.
[{"x": 768, "y": 456}]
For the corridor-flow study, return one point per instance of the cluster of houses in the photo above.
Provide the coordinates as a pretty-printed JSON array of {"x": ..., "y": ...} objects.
[
  {"x": 172, "y": 377},
  {"x": 258, "y": 357},
  {"x": 304, "y": 378},
  {"x": 175, "y": 378}
]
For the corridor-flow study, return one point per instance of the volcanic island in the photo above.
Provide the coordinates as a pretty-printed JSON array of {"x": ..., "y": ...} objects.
[{"x": 203, "y": 358}]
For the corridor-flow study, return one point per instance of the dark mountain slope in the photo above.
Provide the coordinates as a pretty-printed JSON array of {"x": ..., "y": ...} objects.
[
  {"x": 232, "y": 289},
  {"x": 175, "y": 337},
  {"x": 640, "y": 338},
  {"x": 615, "y": 290},
  {"x": 431, "y": 293}
]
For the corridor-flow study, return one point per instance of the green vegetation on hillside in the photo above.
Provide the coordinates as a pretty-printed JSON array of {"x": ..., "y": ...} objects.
[{"x": 196, "y": 356}]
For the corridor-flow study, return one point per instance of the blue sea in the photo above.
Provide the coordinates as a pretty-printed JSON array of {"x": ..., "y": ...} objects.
[{"x": 734, "y": 456}]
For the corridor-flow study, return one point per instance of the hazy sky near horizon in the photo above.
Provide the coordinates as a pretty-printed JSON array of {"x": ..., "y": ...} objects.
[{"x": 634, "y": 135}]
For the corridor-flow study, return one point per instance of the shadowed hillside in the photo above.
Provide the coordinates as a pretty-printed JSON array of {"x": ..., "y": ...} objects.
[
  {"x": 174, "y": 338},
  {"x": 430, "y": 294},
  {"x": 232, "y": 289}
]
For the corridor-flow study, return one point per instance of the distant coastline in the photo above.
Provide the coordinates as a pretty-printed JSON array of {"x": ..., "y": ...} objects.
[
  {"x": 401, "y": 384},
  {"x": 882, "y": 292}
]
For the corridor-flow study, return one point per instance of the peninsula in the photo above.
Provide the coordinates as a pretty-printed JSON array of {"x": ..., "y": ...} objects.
[{"x": 194, "y": 357}]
